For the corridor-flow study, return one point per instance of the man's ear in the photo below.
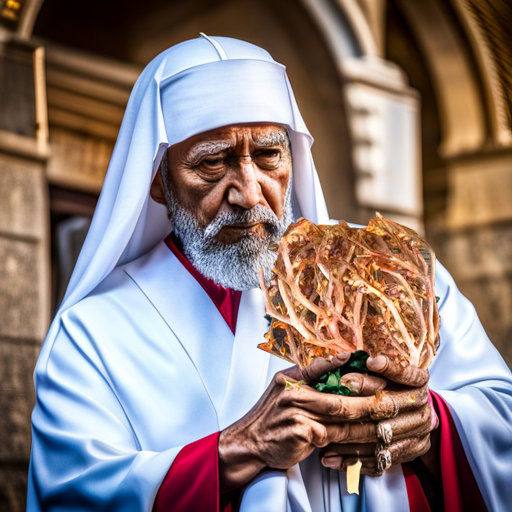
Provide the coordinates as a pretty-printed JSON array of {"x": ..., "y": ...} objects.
[{"x": 156, "y": 191}]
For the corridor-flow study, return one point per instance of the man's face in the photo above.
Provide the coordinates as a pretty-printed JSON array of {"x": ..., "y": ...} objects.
[{"x": 227, "y": 194}]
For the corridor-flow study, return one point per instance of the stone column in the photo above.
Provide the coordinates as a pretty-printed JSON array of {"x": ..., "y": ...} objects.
[{"x": 24, "y": 255}]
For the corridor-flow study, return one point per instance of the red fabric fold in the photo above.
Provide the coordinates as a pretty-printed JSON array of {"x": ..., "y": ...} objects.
[
  {"x": 417, "y": 500},
  {"x": 226, "y": 300},
  {"x": 192, "y": 482},
  {"x": 461, "y": 491}
]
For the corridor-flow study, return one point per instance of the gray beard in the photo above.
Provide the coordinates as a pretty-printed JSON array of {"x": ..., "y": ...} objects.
[{"x": 234, "y": 265}]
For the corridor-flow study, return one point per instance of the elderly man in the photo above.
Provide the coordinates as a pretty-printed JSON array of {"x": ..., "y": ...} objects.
[{"x": 150, "y": 388}]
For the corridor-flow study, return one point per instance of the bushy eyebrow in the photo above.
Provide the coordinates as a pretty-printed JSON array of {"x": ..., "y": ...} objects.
[
  {"x": 213, "y": 147},
  {"x": 275, "y": 138}
]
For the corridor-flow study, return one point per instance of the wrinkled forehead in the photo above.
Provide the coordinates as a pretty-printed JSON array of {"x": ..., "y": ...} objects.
[{"x": 225, "y": 93}]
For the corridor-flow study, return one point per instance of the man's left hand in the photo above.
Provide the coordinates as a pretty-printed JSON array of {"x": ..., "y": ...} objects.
[{"x": 395, "y": 440}]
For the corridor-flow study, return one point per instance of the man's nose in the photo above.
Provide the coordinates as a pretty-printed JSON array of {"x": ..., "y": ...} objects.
[{"x": 245, "y": 190}]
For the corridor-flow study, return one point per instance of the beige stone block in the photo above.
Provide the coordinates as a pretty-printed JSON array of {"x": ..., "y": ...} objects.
[
  {"x": 478, "y": 253},
  {"x": 17, "y": 399},
  {"x": 20, "y": 305},
  {"x": 479, "y": 192},
  {"x": 13, "y": 487},
  {"x": 480, "y": 261},
  {"x": 78, "y": 161},
  {"x": 22, "y": 197},
  {"x": 492, "y": 299}
]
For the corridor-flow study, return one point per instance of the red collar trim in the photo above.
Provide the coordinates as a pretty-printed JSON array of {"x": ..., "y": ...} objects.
[{"x": 226, "y": 300}]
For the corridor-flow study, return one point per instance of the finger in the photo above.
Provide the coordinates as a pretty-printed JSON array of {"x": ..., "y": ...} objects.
[
  {"x": 334, "y": 408},
  {"x": 319, "y": 436},
  {"x": 351, "y": 408},
  {"x": 409, "y": 376},
  {"x": 339, "y": 463},
  {"x": 320, "y": 366},
  {"x": 345, "y": 433},
  {"x": 414, "y": 423},
  {"x": 388, "y": 404},
  {"x": 363, "y": 384},
  {"x": 408, "y": 449},
  {"x": 398, "y": 453},
  {"x": 404, "y": 450},
  {"x": 350, "y": 450}
]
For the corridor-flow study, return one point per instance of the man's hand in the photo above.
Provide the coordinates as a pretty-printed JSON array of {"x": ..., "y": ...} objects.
[
  {"x": 291, "y": 419},
  {"x": 394, "y": 440}
]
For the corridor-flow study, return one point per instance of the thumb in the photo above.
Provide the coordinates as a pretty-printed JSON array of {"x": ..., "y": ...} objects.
[{"x": 318, "y": 367}]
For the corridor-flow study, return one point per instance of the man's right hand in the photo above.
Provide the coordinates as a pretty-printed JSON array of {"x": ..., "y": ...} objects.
[{"x": 292, "y": 419}]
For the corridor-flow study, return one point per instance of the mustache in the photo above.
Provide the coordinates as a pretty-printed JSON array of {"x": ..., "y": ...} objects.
[{"x": 257, "y": 214}]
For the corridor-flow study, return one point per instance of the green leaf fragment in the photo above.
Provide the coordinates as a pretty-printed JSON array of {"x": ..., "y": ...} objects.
[
  {"x": 329, "y": 382},
  {"x": 332, "y": 380}
]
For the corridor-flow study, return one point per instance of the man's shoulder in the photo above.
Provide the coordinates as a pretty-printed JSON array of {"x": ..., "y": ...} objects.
[{"x": 117, "y": 294}]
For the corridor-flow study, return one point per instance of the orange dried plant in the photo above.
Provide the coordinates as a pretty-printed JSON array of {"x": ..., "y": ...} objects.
[{"x": 337, "y": 289}]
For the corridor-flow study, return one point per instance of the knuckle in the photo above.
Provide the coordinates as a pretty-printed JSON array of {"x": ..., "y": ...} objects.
[
  {"x": 279, "y": 379},
  {"x": 343, "y": 433},
  {"x": 322, "y": 437},
  {"x": 424, "y": 446},
  {"x": 307, "y": 374},
  {"x": 335, "y": 406},
  {"x": 297, "y": 418},
  {"x": 301, "y": 432}
]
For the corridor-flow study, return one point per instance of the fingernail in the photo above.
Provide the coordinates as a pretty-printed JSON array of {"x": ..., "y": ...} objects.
[
  {"x": 332, "y": 462},
  {"x": 341, "y": 358},
  {"x": 353, "y": 385},
  {"x": 377, "y": 364}
]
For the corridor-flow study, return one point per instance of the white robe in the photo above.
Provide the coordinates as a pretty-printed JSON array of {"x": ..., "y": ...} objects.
[{"x": 145, "y": 364}]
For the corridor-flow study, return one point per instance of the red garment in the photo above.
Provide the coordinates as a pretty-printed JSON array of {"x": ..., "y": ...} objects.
[
  {"x": 461, "y": 491},
  {"x": 226, "y": 300},
  {"x": 417, "y": 499},
  {"x": 192, "y": 484}
]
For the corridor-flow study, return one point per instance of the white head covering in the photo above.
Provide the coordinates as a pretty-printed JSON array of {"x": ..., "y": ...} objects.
[{"x": 188, "y": 89}]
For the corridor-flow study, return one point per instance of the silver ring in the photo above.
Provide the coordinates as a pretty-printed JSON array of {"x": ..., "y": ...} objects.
[
  {"x": 383, "y": 460},
  {"x": 384, "y": 433}
]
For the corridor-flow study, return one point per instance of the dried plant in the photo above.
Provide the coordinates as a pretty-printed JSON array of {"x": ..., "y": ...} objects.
[{"x": 336, "y": 289}]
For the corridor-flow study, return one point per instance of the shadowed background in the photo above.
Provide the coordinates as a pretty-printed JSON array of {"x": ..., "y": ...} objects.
[{"x": 409, "y": 102}]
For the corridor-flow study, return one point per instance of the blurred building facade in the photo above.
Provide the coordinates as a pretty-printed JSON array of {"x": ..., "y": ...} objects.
[{"x": 410, "y": 104}]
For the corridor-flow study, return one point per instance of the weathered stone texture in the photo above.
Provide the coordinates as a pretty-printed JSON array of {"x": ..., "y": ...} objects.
[
  {"x": 480, "y": 261},
  {"x": 21, "y": 201},
  {"x": 492, "y": 299},
  {"x": 480, "y": 192},
  {"x": 78, "y": 161},
  {"x": 17, "y": 399},
  {"x": 13, "y": 487},
  {"x": 19, "y": 294},
  {"x": 477, "y": 253}
]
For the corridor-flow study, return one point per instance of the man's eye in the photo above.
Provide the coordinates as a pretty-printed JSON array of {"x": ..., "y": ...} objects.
[
  {"x": 268, "y": 159},
  {"x": 212, "y": 163}
]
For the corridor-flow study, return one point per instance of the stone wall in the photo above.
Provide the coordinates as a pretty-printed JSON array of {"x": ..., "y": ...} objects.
[
  {"x": 24, "y": 279},
  {"x": 474, "y": 240}
]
